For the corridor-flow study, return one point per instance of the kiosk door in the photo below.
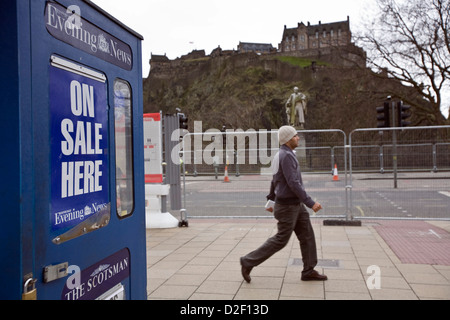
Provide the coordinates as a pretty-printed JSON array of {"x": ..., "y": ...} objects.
[
  {"x": 80, "y": 207},
  {"x": 80, "y": 199},
  {"x": 89, "y": 218}
]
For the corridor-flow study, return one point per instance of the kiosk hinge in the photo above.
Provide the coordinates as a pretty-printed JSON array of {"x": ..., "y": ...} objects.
[{"x": 55, "y": 272}]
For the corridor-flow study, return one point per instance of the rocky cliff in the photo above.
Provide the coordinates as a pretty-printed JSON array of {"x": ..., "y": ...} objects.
[{"x": 247, "y": 90}]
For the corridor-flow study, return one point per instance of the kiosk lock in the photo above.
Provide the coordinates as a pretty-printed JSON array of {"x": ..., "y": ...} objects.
[{"x": 29, "y": 290}]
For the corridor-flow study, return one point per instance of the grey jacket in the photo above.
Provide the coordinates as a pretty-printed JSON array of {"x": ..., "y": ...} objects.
[{"x": 287, "y": 185}]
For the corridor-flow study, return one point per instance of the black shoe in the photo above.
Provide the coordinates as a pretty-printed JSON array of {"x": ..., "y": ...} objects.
[
  {"x": 246, "y": 272},
  {"x": 314, "y": 276}
]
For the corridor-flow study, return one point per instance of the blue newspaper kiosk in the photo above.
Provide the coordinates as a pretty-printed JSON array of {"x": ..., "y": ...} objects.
[{"x": 71, "y": 127}]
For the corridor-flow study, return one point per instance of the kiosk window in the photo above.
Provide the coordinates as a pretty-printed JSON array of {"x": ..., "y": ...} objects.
[{"x": 124, "y": 148}]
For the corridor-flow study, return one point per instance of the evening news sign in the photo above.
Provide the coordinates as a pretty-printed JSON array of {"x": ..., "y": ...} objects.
[
  {"x": 79, "y": 144},
  {"x": 86, "y": 36}
]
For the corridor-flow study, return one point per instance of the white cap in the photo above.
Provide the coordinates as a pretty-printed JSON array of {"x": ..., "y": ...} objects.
[{"x": 286, "y": 133}]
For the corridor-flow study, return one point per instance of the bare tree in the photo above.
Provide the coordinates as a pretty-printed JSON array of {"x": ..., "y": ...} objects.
[{"x": 409, "y": 41}]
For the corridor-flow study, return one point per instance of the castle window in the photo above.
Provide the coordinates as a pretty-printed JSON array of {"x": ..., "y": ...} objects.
[
  {"x": 331, "y": 32},
  {"x": 317, "y": 34},
  {"x": 324, "y": 33}
]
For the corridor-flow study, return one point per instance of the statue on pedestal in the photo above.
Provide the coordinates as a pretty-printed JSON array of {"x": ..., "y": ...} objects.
[{"x": 296, "y": 109}]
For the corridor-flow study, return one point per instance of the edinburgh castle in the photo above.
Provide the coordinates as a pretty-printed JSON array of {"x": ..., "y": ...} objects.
[{"x": 329, "y": 42}]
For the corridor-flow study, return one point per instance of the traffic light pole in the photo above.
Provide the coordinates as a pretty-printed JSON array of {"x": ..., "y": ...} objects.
[
  {"x": 398, "y": 114},
  {"x": 394, "y": 145}
]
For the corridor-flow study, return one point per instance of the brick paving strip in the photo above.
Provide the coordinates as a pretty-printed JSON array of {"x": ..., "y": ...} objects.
[{"x": 416, "y": 242}]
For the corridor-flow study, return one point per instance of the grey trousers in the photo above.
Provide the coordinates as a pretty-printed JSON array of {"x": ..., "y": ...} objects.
[{"x": 291, "y": 218}]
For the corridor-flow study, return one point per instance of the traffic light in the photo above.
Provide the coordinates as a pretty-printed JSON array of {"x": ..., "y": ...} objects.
[
  {"x": 403, "y": 114},
  {"x": 183, "y": 121},
  {"x": 383, "y": 116}
]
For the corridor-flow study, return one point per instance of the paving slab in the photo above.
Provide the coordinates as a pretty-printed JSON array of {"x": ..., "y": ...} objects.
[{"x": 370, "y": 262}]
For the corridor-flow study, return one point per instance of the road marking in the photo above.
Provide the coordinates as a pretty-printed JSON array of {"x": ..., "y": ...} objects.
[
  {"x": 431, "y": 230},
  {"x": 425, "y": 233},
  {"x": 445, "y": 193},
  {"x": 191, "y": 182}
]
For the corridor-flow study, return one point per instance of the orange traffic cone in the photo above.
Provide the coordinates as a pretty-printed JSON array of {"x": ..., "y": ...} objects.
[
  {"x": 335, "y": 173},
  {"x": 226, "y": 179}
]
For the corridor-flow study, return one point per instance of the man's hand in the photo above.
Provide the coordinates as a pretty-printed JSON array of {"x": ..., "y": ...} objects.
[{"x": 317, "y": 207}]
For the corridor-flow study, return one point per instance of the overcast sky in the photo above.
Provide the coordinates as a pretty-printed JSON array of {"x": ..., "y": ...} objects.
[{"x": 176, "y": 27}]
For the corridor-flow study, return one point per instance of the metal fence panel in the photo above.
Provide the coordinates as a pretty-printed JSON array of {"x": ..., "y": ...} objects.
[
  {"x": 389, "y": 173},
  {"x": 400, "y": 173},
  {"x": 247, "y": 157}
]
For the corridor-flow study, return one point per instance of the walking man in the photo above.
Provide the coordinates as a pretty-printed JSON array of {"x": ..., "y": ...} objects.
[{"x": 290, "y": 198}]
